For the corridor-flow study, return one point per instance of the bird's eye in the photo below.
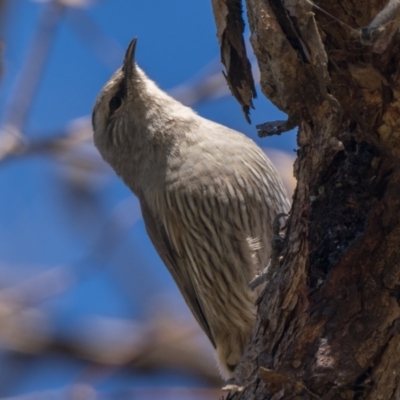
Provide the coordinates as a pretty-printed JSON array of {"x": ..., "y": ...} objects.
[{"x": 115, "y": 103}]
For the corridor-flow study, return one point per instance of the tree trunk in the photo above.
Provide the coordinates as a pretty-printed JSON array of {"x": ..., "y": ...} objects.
[{"x": 329, "y": 320}]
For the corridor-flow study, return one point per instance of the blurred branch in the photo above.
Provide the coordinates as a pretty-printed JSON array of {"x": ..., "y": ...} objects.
[
  {"x": 163, "y": 341},
  {"x": 207, "y": 85},
  {"x": 106, "y": 49},
  {"x": 18, "y": 106},
  {"x": 77, "y": 134},
  {"x": 38, "y": 288}
]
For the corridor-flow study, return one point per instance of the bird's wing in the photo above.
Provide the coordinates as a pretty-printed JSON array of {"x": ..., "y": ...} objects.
[{"x": 173, "y": 261}]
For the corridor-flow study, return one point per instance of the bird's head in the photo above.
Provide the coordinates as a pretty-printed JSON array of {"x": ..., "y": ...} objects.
[
  {"x": 137, "y": 127},
  {"x": 112, "y": 112},
  {"x": 122, "y": 129}
]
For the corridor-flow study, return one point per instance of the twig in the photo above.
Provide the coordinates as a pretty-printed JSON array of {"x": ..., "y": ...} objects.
[{"x": 276, "y": 127}]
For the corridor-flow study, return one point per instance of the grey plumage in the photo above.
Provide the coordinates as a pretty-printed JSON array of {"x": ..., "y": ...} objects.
[{"x": 208, "y": 196}]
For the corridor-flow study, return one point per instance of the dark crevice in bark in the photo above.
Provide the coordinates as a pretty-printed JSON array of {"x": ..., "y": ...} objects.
[
  {"x": 362, "y": 384},
  {"x": 339, "y": 210},
  {"x": 289, "y": 29}
]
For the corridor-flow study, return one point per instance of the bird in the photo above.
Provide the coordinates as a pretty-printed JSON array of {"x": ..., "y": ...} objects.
[{"x": 208, "y": 196}]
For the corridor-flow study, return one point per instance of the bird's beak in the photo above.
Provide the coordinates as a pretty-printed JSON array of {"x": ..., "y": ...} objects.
[{"x": 129, "y": 61}]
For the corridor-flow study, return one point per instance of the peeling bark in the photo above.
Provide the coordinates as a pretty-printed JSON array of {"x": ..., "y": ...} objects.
[
  {"x": 328, "y": 322},
  {"x": 230, "y": 27}
]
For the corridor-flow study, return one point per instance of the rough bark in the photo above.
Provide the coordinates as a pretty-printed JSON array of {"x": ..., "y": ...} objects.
[{"x": 329, "y": 321}]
